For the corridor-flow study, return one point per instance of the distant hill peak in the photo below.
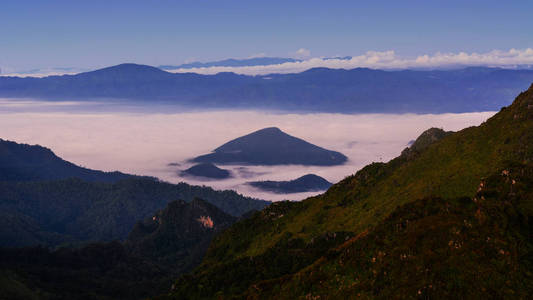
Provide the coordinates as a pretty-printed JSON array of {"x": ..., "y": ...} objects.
[
  {"x": 270, "y": 129},
  {"x": 271, "y": 146},
  {"x": 132, "y": 66}
]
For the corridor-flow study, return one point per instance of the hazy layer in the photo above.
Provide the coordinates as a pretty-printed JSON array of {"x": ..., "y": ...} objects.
[{"x": 145, "y": 143}]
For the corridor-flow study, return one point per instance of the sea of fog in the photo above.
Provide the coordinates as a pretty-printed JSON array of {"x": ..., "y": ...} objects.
[{"x": 145, "y": 139}]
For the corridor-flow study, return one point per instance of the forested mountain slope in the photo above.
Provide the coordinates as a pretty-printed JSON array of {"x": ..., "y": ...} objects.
[
  {"x": 72, "y": 211},
  {"x": 454, "y": 211},
  {"x": 45, "y": 200},
  {"x": 170, "y": 242}
]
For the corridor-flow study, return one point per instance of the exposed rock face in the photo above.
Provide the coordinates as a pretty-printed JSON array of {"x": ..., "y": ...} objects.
[
  {"x": 181, "y": 229},
  {"x": 206, "y": 221}
]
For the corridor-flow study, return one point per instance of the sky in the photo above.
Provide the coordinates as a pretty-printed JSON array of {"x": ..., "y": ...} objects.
[{"x": 93, "y": 34}]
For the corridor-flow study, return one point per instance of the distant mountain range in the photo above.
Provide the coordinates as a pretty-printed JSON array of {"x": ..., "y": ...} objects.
[
  {"x": 271, "y": 146},
  {"x": 256, "y": 61},
  {"x": 306, "y": 183},
  {"x": 315, "y": 90}
]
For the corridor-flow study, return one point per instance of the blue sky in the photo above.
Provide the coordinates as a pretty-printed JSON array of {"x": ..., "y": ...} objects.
[{"x": 38, "y": 34}]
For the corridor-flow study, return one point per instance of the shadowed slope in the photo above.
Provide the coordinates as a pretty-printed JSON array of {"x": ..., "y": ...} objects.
[
  {"x": 170, "y": 242},
  {"x": 21, "y": 162}
]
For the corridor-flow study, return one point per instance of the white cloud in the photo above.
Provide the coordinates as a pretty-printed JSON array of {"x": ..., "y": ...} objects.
[
  {"x": 302, "y": 53},
  {"x": 371, "y": 59},
  {"x": 42, "y": 72},
  {"x": 384, "y": 60}
]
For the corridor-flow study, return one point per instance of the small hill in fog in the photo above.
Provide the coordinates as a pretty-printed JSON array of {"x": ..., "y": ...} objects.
[
  {"x": 306, "y": 183},
  {"x": 206, "y": 170}
]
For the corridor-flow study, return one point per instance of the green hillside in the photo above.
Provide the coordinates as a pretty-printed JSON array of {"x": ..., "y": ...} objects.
[{"x": 322, "y": 245}]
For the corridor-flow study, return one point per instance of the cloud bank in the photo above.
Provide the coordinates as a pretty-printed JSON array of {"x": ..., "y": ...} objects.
[
  {"x": 384, "y": 60},
  {"x": 145, "y": 143},
  {"x": 42, "y": 72}
]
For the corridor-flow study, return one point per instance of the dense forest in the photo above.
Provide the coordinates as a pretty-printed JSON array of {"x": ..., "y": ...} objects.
[{"x": 158, "y": 250}]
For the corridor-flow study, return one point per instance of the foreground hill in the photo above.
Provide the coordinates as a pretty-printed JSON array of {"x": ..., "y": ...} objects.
[
  {"x": 451, "y": 218},
  {"x": 179, "y": 233},
  {"x": 306, "y": 183},
  {"x": 271, "y": 146},
  {"x": 320, "y": 89},
  {"x": 170, "y": 242},
  {"x": 21, "y": 162}
]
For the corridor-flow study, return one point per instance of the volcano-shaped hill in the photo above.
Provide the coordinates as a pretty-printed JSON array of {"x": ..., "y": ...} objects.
[
  {"x": 271, "y": 146},
  {"x": 453, "y": 219}
]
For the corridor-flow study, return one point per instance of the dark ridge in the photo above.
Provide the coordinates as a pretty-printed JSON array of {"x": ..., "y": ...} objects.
[{"x": 22, "y": 162}]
